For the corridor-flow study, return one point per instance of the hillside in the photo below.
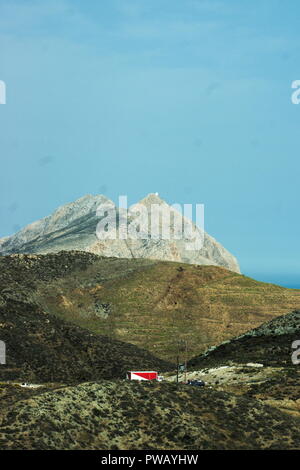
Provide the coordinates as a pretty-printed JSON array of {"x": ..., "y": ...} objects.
[
  {"x": 269, "y": 344},
  {"x": 154, "y": 305},
  {"x": 62, "y": 316},
  {"x": 44, "y": 348},
  {"x": 257, "y": 364},
  {"x": 126, "y": 415}
]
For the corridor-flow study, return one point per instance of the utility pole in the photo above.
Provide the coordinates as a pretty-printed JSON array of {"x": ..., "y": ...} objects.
[{"x": 185, "y": 362}]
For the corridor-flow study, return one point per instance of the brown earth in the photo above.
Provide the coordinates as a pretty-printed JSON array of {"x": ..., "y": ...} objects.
[{"x": 152, "y": 304}]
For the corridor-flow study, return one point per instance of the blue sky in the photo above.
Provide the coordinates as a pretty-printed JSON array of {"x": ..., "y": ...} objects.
[{"x": 188, "y": 98}]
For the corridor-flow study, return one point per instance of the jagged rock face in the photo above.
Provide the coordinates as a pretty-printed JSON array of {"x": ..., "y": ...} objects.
[{"x": 73, "y": 227}]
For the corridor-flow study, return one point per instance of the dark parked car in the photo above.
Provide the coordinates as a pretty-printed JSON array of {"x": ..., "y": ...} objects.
[{"x": 196, "y": 383}]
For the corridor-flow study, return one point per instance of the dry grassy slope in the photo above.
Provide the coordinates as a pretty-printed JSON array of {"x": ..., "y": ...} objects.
[
  {"x": 44, "y": 348},
  {"x": 276, "y": 383},
  {"x": 269, "y": 344},
  {"x": 280, "y": 390},
  {"x": 154, "y": 304},
  {"x": 127, "y": 415},
  {"x": 276, "y": 386}
]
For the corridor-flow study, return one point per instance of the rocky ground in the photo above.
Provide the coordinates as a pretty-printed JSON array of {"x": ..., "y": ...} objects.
[
  {"x": 277, "y": 386},
  {"x": 128, "y": 415}
]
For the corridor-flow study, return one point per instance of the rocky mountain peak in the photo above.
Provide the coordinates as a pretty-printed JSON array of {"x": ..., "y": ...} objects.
[
  {"x": 152, "y": 198},
  {"x": 73, "y": 227}
]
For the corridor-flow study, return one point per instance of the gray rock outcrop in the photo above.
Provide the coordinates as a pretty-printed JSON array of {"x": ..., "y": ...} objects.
[{"x": 73, "y": 227}]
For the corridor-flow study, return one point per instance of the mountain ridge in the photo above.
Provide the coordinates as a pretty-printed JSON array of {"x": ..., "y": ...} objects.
[
  {"x": 152, "y": 304},
  {"x": 73, "y": 227}
]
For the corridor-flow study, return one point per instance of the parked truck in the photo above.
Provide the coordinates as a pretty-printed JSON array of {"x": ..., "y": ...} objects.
[{"x": 143, "y": 375}]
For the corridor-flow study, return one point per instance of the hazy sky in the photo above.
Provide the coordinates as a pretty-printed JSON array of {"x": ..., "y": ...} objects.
[{"x": 189, "y": 98}]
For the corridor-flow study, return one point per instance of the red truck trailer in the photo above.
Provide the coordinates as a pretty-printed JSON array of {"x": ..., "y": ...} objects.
[{"x": 142, "y": 375}]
